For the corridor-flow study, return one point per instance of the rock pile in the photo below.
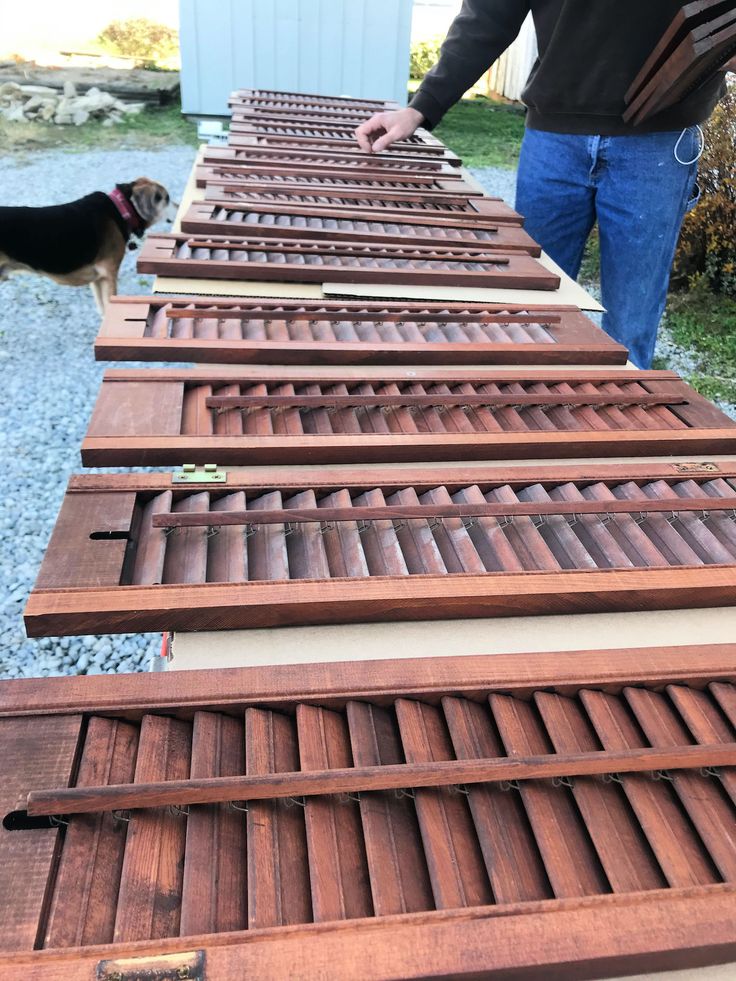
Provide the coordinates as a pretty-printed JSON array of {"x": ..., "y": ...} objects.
[{"x": 20, "y": 103}]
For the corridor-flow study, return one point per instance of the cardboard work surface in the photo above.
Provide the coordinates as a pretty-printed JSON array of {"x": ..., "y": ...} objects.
[{"x": 510, "y": 635}]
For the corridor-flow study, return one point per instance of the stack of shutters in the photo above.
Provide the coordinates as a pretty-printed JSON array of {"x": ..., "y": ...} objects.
[
  {"x": 567, "y": 815},
  {"x": 698, "y": 43}
]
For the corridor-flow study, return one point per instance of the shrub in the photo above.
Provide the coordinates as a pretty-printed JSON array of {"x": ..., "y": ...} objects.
[
  {"x": 140, "y": 38},
  {"x": 424, "y": 55},
  {"x": 707, "y": 249}
]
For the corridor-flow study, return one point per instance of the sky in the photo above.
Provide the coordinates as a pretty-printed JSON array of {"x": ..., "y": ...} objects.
[{"x": 68, "y": 24}]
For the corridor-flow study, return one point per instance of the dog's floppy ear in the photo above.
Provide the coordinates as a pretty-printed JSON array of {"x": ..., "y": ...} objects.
[
  {"x": 149, "y": 200},
  {"x": 126, "y": 189}
]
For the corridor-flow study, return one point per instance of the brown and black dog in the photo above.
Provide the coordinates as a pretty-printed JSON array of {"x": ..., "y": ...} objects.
[{"x": 83, "y": 242}]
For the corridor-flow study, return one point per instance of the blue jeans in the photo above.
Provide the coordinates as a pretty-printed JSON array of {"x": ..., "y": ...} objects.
[{"x": 638, "y": 192}]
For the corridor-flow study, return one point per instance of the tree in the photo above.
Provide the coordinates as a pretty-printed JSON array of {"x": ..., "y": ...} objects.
[{"x": 140, "y": 38}]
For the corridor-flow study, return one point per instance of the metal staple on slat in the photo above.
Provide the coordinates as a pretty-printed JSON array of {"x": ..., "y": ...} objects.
[
  {"x": 238, "y": 806},
  {"x": 711, "y": 771},
  {"x": 563, "y": 782},
  {"x": 611, "y": 778},
  {"x": 179, "y": 810},
  {"x": 662, "y": 775}
]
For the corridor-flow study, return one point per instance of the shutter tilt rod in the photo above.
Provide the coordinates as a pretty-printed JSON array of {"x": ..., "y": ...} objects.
[
  {"x": 351, "y": 780},
  {"x": 225, "y": 403},
  {"x": 435, "y": 512}
]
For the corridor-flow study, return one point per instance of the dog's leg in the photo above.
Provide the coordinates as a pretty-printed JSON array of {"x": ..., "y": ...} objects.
[{"x": 96, "y": 287}]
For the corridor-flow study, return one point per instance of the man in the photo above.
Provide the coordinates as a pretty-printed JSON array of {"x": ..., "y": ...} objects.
[{"x": 580, "y": 162}]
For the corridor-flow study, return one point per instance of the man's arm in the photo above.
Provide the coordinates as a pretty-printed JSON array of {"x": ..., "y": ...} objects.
[{"x": 479, "y": 34}]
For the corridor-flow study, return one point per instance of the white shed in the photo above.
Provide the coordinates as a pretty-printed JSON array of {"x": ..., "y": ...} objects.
[{"x": 333, "y": 47}]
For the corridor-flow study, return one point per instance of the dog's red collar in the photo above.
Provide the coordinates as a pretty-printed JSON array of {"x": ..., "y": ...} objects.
[{"x": 127, "y": 212}]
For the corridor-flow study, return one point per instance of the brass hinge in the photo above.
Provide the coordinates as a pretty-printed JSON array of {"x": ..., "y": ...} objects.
[
  {"x": 696, "y": 468},
  {"x": 190, "y": 473},
  {"x": 167, "y": 967}
]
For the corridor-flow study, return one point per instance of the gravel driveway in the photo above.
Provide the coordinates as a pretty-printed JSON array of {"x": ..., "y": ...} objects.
[{"x": 50, "y": 382}]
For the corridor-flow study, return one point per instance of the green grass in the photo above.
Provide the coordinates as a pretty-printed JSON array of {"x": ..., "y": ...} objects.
[
  {"x": 154, "y": 127},
  {"x": 483, "y": 133},
  {"x": 704, "y": 324}
]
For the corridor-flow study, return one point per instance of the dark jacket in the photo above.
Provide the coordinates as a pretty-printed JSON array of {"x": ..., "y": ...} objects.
[{"x": 590, "y": 51}]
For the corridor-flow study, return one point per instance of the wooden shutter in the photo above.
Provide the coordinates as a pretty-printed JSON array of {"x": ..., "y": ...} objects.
[
  {"x": 322, "y": 223},
  {"x": 211, "y": 329},
  {"x": 295, "y": 260},
  {"x": 268, "y": 417},
  {"x": 475, "y": 212},
  {"x": 295, "y": 129},
  {"x": 319, "y": 157},
  {"x": 385, "y": 545},
  {"x": 409, "y": 153},
  {"x": 548, "y": 814},
  {"x": 301, "y": 100},
  {"x": 306, "y": 173},
  {"x": 699, "y": 42},
  {"x": 336, "y": 177}
]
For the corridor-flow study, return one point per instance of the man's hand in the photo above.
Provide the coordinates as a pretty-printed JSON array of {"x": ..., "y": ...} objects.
[{"x": 385, "y": 128}]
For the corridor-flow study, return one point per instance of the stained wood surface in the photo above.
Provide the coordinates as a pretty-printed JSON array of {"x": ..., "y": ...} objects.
[
  {"x": 272, "y": 419},
  {"x": 296, "y": 260},
  {"x": 33, "y": 751},
  {"x": 211, "y": 329},
  {"x": 318, "y": 141},
  {"x": 695, "y": 47},
  {"x": 548, "y": 544},
  {"x": 306, "y": 157},
  {"x": 499, "y": 228},
  {"x": 473, "y": 212},
  {"x": 526, "y": 857},
  {"x": 235, "y": 172}
]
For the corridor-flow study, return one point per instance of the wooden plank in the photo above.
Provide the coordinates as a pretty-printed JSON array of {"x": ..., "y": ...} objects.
[
  {"x": 396, "y": 864},
  {"x": 255, "y": 604},
  {"x": 338, "y": 866},
  {"x": 382, "y": 447},
  {"x": 513, "y": 863},
  {"x": 700, "y": 713},
  {"x": 149, "y": 901},
  {"x": 562, "y": 838},
  {"x": 278, "y": 871},
  {"x": 99, "y": 557},
  {"x": 623, "y": 850},
  {"x": 33, "y": 751},
  {"x": 82, "y": 910},
  {"x": 710, "y": 811},
  {"x": 654, "y": 931},
  {"x": 676, "y": 844},
  {"x": 160, "y": 404},
  {"x": 214, "y": 880},
  {"x": 181, "y": 693}
]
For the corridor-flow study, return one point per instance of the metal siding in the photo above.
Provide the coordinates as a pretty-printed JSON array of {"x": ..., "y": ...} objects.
[{"x": 335, "y": 47}]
